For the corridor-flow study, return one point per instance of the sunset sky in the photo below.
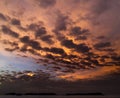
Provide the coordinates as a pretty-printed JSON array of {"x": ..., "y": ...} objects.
[{"x": 67, "y": 39}]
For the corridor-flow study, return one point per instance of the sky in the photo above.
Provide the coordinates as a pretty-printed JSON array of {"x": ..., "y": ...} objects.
[{"x": 68, "y": 39}]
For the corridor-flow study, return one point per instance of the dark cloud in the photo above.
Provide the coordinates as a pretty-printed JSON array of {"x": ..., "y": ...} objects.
[
  {"x": 92, "y": 55},
  {"x": 105, "y": 56},
  {"x": 47, "y": 39},
  {"x": 105, "y": 59},
  {"x": 116, "y": 58},
  {"x": 34, "y": 44},
  {"x": 11, "y": 49},
  {"x": 46, "y": 49},
  {"x": 81, "y": 38},
  {"x": 15, "y": 22},
  {"x": 14, "y": 46},
  {"x": 67, "y": 62},
  {"x": 9, "y": 43},
  {"x": 100, "y": 37},
  {"x": 40, "y": 32},
  {"x": 102, "y": 45},
  {"x": 95, "y": 62},
  {"x": 61, "y": 22},
  {"x": 89, "y": 60},
  {"x": 78, "y": 47},
  {"x": 82, "y": 48},
  {"x": 71, "y": 56},
  {"x": 35, "y": 26},
  {"x": 50, "y": 56},
  {"x": 8, "y": 31},
  {"x": 23, "y": 48},
  {"x": 31, "y": 51},
  {"x": 2, "y": 17},
  {"x": 57, "y": 51},
  {"x": 68, "y": 43},
  {"x": 46, "y": 3},
  {"x": 78, "y": 31},
  {"x": 112, "y": 63},
  {"x": 60, "y": 36},
  {"x": 108, "y": 50},
  {"x": 25, "y": 39},
  {"x": 85, "y": 63}
]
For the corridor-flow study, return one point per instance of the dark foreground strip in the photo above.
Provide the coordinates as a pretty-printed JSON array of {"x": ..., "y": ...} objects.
[
  {"x": 51, "y": 94},
  {"x": 85, "y": 94},
  {"x": 41, "y": 94}
]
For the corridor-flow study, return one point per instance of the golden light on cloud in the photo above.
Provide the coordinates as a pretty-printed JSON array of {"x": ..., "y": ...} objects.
[
  {"x": 90, "y": 74},
  {"x": 30, "y": 74}
]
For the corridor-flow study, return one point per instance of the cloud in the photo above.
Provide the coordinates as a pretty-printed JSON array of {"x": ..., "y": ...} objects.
[
  {"x": 47, "y": 39},
  {"x": 15, "y": 22},
  {"x": 8, "y": 31},
  {"x": 9, "y": 43},
  {"x": 78, "y": 47},
  {"x": 99, "y": 20},
  {"x": 72, "y": 56},
  {"x": 101, "y": 6},
  {"x": 57, "y": 51},
  {"x": 24, "y": 48},
  {"x": 65, "y": 32},
  {"x": 46, "y": 3},
  {"x": 100, "y": 37},
  {"x": 82, "y": 48},
  {"x": 68, "y": 43},
  {"x": 50, "y": 56},
  {"x": 3, "y": 17},
  {"x": 81, "y": 38},
  {"x": 32, "y": 51},
  {"x": 116, "y": 58},
  {"x": 108, "y": 50},
  {"x": 85, "y": 63},
  {"x": 102, "y": 45},
  {"x": 40, "y": 32},
  {"x": 78, "y": 31},
  {"x": 11, "y": 49},
  {"x": 95, "y": 62},
  {"x": 34, "y": 44},
  {"x": 35, "y": 26},
  {"x": 25, "y": 39},
  {"x": 61, "y": 22}
]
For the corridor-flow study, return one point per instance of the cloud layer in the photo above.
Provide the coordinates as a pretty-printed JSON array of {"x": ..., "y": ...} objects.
[{"x": 80, "y": 34}]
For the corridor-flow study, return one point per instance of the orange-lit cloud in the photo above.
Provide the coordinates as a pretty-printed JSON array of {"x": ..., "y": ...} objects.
[
  {"x": 76, "y": 33},
  {"x": 90, "y": 74}
]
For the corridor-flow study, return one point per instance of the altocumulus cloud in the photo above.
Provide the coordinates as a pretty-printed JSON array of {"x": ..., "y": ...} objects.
[{"x": 46, "y": 3}]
